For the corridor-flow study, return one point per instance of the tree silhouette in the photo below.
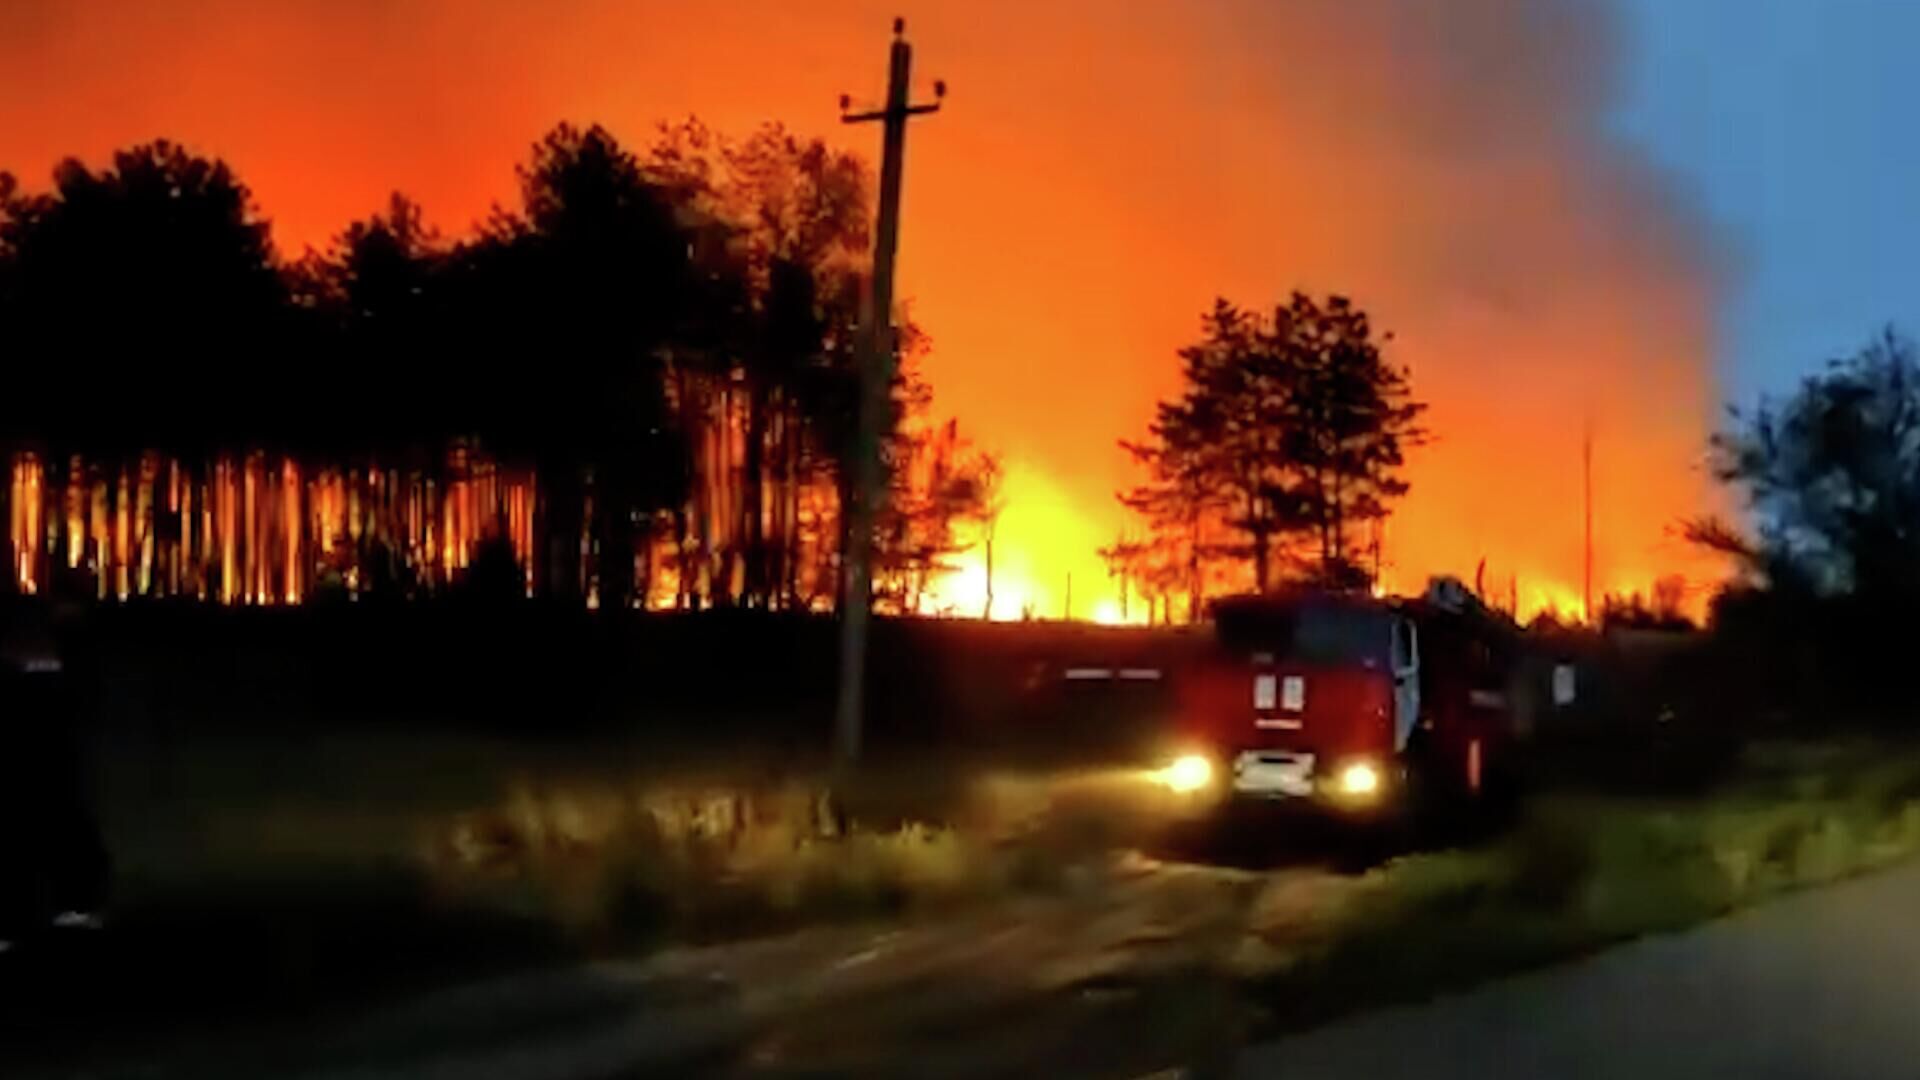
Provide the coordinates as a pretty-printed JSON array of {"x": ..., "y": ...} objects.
[
  {"x": 1288, "y": 427},
  {"x": 583, "y": 286},
  {"x": 1348, "y": 417},
  {"x": 379, "y": 294},
  {"x": 654, "y": 352},
  {"x": 1832, "y": 477},
  {"x": 1179, "y": 502},
  {"x": 145, "y": 315},
  {"x": 990, "y": 504},
  {"x": 776, "y": 364},
  {"x": 163, "y": 261},
  {"x": 940, "y": 485},
  {"x": 1214, "y": 450}
]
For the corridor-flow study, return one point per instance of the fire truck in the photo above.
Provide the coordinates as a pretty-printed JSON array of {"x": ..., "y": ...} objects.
[{"x": 1356, "y": 704}]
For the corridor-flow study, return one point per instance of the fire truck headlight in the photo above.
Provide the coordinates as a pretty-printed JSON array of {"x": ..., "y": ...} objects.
[
  {"x": 1189, "y": 772},
  {"x": 1359, "y": 778}
]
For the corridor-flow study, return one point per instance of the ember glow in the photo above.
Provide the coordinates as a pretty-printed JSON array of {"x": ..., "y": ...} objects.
[
  {"x": 1100, "y": 175},
  {"x": 255, "y": 529}
]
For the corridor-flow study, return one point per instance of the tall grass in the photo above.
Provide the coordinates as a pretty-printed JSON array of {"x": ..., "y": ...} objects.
[
  {"x": 1581, "y": 872},
  {"x": 613, "y": 863},
  {"x": 455, "y": 863}
]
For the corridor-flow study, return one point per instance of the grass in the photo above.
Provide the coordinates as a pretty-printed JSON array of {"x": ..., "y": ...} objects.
[
  {"x": 336, "y": 870},
  {"x": 458, "y": 854},
  {"x": 1580, "y": 872},
  {"x": 614, "y": 865},
  {"x": 264, "y": 878},
  {"x": 298, "y": 843}
]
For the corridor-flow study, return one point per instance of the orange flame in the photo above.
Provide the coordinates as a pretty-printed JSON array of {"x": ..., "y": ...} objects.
[{"x": 1064, "y": 224}]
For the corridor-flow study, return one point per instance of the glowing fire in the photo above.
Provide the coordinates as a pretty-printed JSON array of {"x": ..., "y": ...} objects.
[
  {"x": 1057, "y": 247},
  {"x": 258, "y": 535},
  {"x": 1045, "y": 561},
  {"x": 254, "y": 532}
]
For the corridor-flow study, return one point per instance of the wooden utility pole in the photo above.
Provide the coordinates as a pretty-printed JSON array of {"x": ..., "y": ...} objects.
[{"x": 874, "y": 353}]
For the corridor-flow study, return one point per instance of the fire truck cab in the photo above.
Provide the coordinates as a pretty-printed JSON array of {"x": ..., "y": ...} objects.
[{"x": 1349, "y": 702}]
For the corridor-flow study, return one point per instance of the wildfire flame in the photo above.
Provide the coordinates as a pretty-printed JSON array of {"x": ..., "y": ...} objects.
[{"x": 1064, "y": 225}]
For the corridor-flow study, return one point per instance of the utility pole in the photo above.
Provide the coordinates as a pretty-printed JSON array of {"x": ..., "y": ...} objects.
[
  {"x": 1586, "y": 491},
  {"x": 874, "y": 353}
]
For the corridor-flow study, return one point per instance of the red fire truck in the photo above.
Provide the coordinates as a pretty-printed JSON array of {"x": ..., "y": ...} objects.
[{"x": 1353, "y": 703}]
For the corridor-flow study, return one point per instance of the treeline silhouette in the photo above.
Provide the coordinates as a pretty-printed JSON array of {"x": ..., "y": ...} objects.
[
  {"x": 1817, "y": 624},
  {"x": 635, "y": 386}
]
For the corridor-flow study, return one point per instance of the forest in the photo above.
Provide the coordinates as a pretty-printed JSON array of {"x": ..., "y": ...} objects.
[{"x": 633, "y": 388}]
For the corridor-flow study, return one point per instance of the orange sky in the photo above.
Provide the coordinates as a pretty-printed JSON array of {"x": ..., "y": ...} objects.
[{"x": 1100, "y": 173}]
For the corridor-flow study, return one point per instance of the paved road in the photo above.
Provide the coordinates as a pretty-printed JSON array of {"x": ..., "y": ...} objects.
[{"x": 1822, "y": 984}]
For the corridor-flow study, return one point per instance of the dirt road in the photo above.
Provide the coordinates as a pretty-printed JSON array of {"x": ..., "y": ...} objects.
[
  {"x": 1091, "y": 980},
  {"x": 1083, "y": 984},
  {"x": 1821, "y": 984},
  {"x": 1132, "y": 973}
]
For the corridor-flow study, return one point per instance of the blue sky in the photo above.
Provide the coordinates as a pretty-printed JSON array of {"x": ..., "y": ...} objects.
[{"x": 1795, "y": 126}]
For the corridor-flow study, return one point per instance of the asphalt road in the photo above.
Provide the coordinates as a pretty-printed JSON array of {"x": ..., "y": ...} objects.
[{"x": 1821, "y": 984}]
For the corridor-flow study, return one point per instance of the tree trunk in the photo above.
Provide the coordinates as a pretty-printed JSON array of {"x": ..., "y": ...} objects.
[
  {"x": 613, "y": 521},
  {"x": 643, "y": 552},
  {"x": 795, "y": 482},
  {"x": 988, "y": 612},
  {"x": 1194, "y": 585},
  {"x": 703, "y": 507},
  {"x": 775, "y": 543},
  {"x": 726, "y": 514},
  {"x": 755, "y": 591},
  {"x": 843, "y": 524},
  {"x": 683, "y": 559},
  {"x": 1336, "y": 510},
  {"x": 565, "y": 510},
  {"x": 14, "y": 551}
]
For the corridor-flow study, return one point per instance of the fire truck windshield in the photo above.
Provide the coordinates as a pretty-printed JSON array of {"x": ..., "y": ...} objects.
[{"x": 1317, "y": 633}]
